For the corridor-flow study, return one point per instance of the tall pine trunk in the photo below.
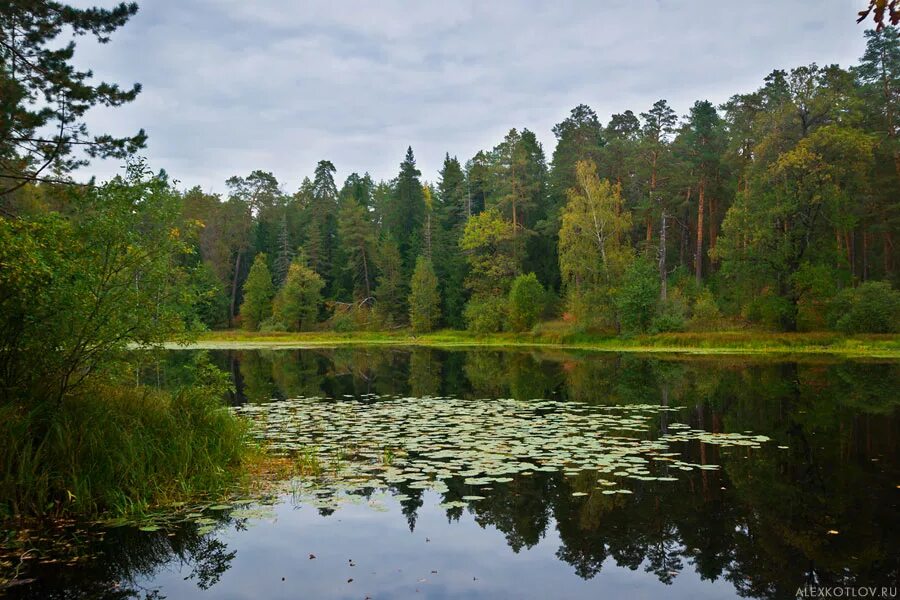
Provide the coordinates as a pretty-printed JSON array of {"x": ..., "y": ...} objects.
[
  {"x": 698, "y": 264},
  {"x": 662, "y": 259}
]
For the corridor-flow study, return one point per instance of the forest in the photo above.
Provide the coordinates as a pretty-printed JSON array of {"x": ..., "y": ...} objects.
[
  {"x": 776, "y": 210},
  {"x": 522, "y": 343}
]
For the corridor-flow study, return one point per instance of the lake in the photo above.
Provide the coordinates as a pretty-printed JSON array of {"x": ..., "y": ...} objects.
[{"x": 532, "y": 474}]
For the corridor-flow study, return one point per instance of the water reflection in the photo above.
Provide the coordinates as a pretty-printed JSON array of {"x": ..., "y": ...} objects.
[
  {"x": 123, "y": 561},
  {"x": 760, "y": 525}
]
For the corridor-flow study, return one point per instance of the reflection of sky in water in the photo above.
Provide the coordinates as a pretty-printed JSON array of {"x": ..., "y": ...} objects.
[
  {"x": 759, "y": 526},
  {"x": 390, "y": 562}
]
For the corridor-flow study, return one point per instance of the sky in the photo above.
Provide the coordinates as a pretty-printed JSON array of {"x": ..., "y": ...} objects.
[{"x": 231, "y": 86}]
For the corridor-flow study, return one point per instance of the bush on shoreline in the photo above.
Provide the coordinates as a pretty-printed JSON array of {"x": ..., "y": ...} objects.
[{"x": 112, "y": 449}]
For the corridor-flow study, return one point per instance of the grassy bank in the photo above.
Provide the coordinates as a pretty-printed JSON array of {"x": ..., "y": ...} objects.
[
  {"x": 737, "y": 342},
  {"x": 118, "y": 451}
]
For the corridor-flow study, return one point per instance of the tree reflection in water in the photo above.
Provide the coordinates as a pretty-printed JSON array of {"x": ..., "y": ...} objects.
[{"x": 761, "y": 522}]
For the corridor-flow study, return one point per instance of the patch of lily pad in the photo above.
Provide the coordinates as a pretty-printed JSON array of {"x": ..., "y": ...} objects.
[{"x": 388, "y": 442}]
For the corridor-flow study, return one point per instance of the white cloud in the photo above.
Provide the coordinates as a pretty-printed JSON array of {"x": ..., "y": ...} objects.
[{"x": 232, "y": 86}]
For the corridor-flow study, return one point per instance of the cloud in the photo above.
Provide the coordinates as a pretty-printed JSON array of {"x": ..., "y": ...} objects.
[{"x": 232, "y": 86}]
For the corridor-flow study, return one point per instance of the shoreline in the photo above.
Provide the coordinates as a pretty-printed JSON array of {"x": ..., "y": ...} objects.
[{"x": 718, "y": 343}]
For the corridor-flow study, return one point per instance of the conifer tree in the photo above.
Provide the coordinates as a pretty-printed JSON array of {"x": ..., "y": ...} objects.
[
  {"x": 390, "y": 294},
  {"x": 424, "y": 297},
  {"x": 258, "y": 292},
  {"x": 296, "y": 305},
  {"x": 43, "y": 96},
  {"x": 285, "y": 253},
  {"x": 404, "y": 218}
]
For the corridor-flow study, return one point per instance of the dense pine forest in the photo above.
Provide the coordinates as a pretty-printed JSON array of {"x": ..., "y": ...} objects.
[{"x": 777, "y": 210}]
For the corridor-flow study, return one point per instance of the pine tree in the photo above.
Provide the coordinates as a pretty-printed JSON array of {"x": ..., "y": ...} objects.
[
  {"x": 451, "y": 191},
  {"x": 44, "y": 98},
  {"x": 617, "y": 158},
  {"x": 358, "y": 188},
  {"x": 424, "y": 297},
  {"x": 428, "y": 198},
  {"x": 879, "y": 76},
  {"x": 449, "y": 263},
  {"x": 705, "y": 142},
  {"x": 578, "y": 137},
  {"x": 654, "y": 151},
  {"x": 637, "y": 296},
  {"x": 258, "y": 292},
  {"x": 478, "y": 183}
]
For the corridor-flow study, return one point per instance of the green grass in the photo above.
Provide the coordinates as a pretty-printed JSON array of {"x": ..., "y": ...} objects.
[
  {"x": 114, "y": 450},
  {"x": 549, "y": 335}
]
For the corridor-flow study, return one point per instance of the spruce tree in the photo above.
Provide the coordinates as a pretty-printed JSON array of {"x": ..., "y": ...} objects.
[
  {"x": 404, "y": 217},
  {"x": 258, "y": 292},
  {"x": 296, "y": 305},
  {"x": 322, "y": 219}
]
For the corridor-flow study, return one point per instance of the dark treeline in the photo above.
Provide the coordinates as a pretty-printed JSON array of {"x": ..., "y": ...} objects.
[
  {"x": 778, "y": 208},
  {"x": 763, "y": 210}
]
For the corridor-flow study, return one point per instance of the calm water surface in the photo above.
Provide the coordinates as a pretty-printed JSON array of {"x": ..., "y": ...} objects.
[{"x": 805, "y": 492}]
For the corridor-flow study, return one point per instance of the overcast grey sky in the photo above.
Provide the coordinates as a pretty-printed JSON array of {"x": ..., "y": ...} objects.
[{"x": 236, "y": 85}]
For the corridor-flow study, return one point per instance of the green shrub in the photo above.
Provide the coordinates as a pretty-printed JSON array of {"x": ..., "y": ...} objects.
[
  {"x": 343, "y": 323},
  {"x": 360, "y": 316},
  {"x": 683, "y": 283},
  {"x": 768, "y": 309},
  {"x": 705, "y": 315},
  {"x": 873, "y": 307},
  {"x": 638, "y": 296},
  {"x": 671, "y": 314},
  {"x": 816, "y": 287},
  {"x": 670, "y": 318},
  {"x": 485, "y": 314},
  {"x": 271, "y": 325},
  {"x": 591, "y": 309},
  {"x": 525, "y": 303},
  {"x": 210, "y": 298},
  {"x": 553, "y": 331}
]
